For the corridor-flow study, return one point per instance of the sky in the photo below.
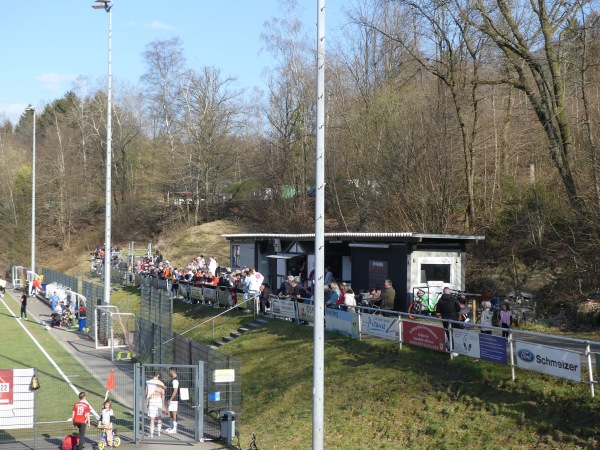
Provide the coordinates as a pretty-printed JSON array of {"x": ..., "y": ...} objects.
[{"x": 49, "y": 45}]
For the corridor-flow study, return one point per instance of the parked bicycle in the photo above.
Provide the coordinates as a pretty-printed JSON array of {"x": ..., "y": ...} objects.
[{"x": 423, "y": 303}]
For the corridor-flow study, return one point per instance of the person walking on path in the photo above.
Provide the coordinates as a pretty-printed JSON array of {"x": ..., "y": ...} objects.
[
  {"x": 23, "y": 305},
  {"x": 155, "y": 398},
  {"x": 173, "y": 400},
  {"x": 81, "y": 418}
]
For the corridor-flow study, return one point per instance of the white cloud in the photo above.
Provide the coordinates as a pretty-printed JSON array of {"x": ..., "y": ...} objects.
[
  {"x": 11, "y": 111},
  {"x": 53, "y": 82},
  {"x": 157, "y": 25}
]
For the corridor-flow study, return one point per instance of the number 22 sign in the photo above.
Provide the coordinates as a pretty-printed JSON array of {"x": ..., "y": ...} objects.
[{"x": 6, "y": 387}]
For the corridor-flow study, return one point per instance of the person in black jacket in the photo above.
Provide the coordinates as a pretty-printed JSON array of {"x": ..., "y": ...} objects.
[{"x": 448, "y": 307}]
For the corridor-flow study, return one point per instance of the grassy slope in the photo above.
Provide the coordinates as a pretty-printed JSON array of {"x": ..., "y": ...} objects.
[{"x": 377, "y": 396}]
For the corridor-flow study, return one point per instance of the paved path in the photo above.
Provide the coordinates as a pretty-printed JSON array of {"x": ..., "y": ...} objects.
[{"x": 98, "y": 364}]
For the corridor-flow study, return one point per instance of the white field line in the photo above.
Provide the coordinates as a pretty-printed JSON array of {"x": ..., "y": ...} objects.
[{"x": 58, "y": 369}]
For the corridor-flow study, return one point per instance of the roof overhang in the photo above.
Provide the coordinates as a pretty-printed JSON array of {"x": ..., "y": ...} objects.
[
  {"x": 358, "y": 237},
  {"x": 284, "y": 255}
]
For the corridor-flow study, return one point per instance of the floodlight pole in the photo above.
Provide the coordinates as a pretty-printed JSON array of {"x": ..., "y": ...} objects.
[
  {"x": 32, "y": 109},
  {"x": 107, "y": 6},
  {"x": 318, "y": 293}
]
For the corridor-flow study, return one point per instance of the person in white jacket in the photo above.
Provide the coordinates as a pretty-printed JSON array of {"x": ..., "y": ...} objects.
[
  {"x": 349, "y": 300},
  {"x": 255, "y": 279}
]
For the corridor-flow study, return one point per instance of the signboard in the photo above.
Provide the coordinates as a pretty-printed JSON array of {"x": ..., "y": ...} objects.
[
  {"x": 549, "y": 360},
  {"x": 16, "y": 399},
  {"x": 426, "y": 336},
  {"x": 6, "y": 387},
  {"x": 378, "y": 273},
  {"x": 224, "y": 376},
  {"x": 283, "y": 308},
  {"x": 380, "y": 326},
  {"x": 480, "y": 345},
  {"x": 306, "y": 312},
  {"x": 342, "y": 321}
]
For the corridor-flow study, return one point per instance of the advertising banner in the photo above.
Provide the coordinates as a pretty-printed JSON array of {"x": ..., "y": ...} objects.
[
  {"x": 16, "y": 399},
  {"x": 466, "y": 342},
  {"x": 306, "y": 312},
  {"x": 549, "y": 360},
  {"x": 382, "y": 327},
  {"x": 426, "y": 336},
  {"x": 283, "y": 308},
  {"x": 342, "y": 321},
  {"x": 480, "y": 345},
  {"x": 6, "y": 387}
]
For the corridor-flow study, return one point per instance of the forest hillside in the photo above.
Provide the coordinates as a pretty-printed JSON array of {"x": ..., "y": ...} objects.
[{"x": 459, "y": 118}]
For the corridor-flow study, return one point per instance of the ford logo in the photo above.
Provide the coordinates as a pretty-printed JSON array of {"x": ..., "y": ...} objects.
[{"x": 526, "y": 355}]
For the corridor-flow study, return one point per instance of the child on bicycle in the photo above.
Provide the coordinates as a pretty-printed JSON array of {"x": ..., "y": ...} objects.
[{"x": 107, "y": 416}]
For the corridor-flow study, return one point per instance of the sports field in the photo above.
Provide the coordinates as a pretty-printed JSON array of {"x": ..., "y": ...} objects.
[{"x": 27, "y": 344}]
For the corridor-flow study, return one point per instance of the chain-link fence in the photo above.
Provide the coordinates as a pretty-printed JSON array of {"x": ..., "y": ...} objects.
[
  {"x": 53, "y": 402},
  {"x": 52, "y": 276}
]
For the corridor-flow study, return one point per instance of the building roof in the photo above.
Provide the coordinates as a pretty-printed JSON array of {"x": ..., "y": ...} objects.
[{"x": 349, "y": 236}]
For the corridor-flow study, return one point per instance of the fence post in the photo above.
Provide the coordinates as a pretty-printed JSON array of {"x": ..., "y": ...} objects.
[
  {"x": 588, "y": 353},
  {"x": 512, "y": 355},
  {"x": 400, "y": 329}
]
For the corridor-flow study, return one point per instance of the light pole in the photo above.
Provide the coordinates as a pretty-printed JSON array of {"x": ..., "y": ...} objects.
[
  {"x": 106, "y": 5},
  {"x": 32, "y": 109}
]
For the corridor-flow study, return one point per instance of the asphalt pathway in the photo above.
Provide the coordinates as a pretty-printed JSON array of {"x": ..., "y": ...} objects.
[{"x": 98, "y": 363}]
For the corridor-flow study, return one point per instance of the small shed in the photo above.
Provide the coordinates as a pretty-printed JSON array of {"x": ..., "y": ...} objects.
[{"x": 364, "y": 260}]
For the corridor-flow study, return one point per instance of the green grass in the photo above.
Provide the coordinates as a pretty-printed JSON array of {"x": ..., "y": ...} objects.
[
  {"x": 55, "y": 398},
  {"x": 380, "y": 397}
]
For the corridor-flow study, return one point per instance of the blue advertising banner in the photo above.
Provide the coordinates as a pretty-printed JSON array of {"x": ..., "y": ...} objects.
[{"x": 492, "y": 348}]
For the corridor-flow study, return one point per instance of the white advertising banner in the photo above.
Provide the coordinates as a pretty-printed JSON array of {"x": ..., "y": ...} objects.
[
  {"x": 282, "y": 308},
  {"x": 306, "y": 312},
  {"x": 466, "y": 342},
  {"x": 549, "y": 360},
  {"x": 342, "y": 321},
  {"x": 382, "y": 327},
  {"x": 16, "y": 399}
]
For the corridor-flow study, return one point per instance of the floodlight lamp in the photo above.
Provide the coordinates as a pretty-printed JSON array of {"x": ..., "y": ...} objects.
[{"x": 30, "y": 108}]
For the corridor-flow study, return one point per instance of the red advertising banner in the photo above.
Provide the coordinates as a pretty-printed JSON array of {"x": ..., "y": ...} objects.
[
  {"x": 426, "y": 336},
  {"x": 6, "y": 387}
]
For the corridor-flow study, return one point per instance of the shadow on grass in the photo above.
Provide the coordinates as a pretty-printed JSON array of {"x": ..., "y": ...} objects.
[{"x": 545, "y": 405}]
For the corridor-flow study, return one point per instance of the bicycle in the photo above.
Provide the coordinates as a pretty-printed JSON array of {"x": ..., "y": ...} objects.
[
  {"x": 422, "y": 304},
  {"x": 103, "y": 443}
]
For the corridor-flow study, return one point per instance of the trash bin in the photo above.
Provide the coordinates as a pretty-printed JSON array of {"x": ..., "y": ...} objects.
[
  {"x": 81, "y": 321},
  {"x": 228, "y": 426}
]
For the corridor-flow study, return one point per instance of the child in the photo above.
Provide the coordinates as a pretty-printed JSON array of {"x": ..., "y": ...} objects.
[
  {"x": 505, "y": 318},
  {"x": 486, "y": 316},
  {"x": 106, "y": 421}
]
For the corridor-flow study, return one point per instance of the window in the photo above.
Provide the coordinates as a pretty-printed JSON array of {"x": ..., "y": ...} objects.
[
  {"x": 435, "y": 272},
  {"x": 235, "y": 255}
]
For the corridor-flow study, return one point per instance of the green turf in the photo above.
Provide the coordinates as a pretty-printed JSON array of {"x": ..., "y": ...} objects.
[
  {"x": 55, "y": 398},
  {"x": 380, "y": 397}
]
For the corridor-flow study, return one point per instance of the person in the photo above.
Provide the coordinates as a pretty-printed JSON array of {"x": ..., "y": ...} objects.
[
  {"x": 23, "y": 306},
  {"x": 349, "y": 300},
  {"x": 56, "y": 315},
  {"x": 265, "y": 292},
  {"x": 486, "y": 316},
  {"x": 173, "y": 401},
  {"x": 155, "y": 398},
  {"x": 285, "y": 290},
  {"x": 81, "y": 418},
  {"x": 448, "y": 308},
  {"x": 255, "y": 280},
  {"x": 328, "y": 276},
  {"x": 299, "y": 292},
  {"x": 107, "y": 417},
  {"x": 388, "y": 295},
  {"x": 506, "y": 318},
  {"x": 54, "y": 300},
  {"x": 375, "y": 296},
  {"x": 334, "y": 295}
]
